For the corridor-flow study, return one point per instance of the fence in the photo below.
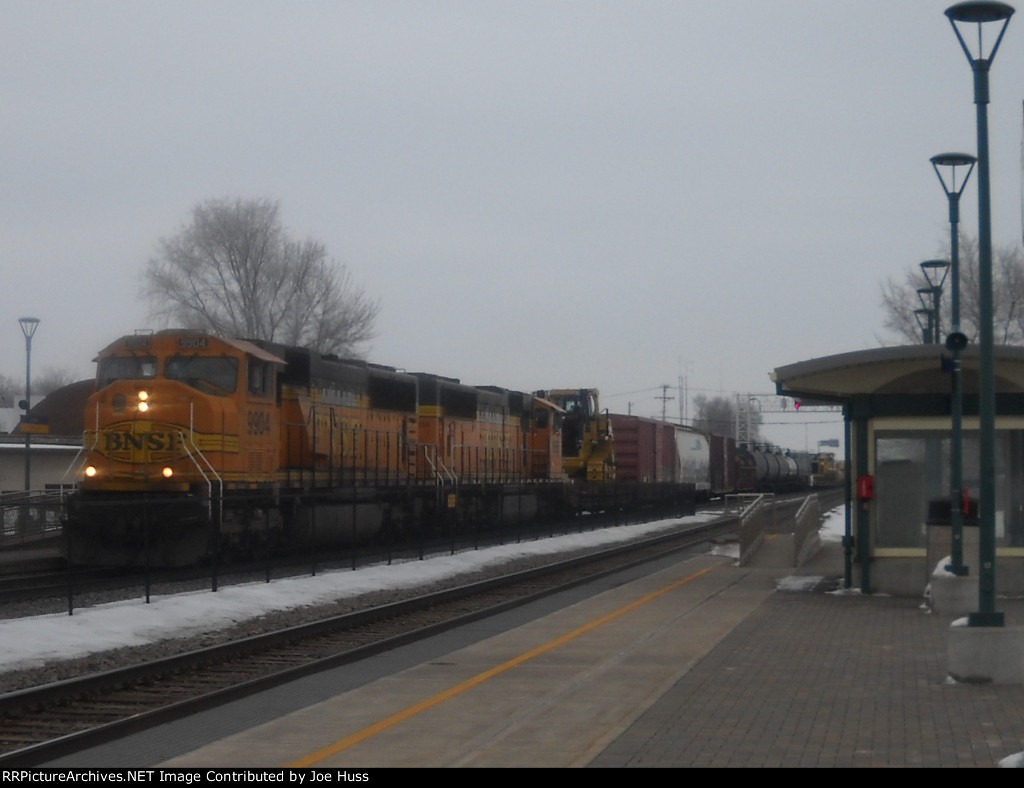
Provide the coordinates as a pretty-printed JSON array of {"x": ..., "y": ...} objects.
[{"x": 31, "y": 516}]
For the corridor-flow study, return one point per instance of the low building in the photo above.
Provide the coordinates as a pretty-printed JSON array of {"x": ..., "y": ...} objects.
[
  {"x": 897, "y": 403},
  {"x": 54, "y": 440}
]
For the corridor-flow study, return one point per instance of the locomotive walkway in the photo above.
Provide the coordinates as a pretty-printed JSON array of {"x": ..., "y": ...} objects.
[{"x": 699, "y": 664}]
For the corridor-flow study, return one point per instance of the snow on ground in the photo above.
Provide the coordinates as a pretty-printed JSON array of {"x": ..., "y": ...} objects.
[{"x": 33, "y": 642}]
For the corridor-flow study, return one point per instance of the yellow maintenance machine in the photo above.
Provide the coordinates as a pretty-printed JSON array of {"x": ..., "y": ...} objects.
[{"x": 587, "y": 450}]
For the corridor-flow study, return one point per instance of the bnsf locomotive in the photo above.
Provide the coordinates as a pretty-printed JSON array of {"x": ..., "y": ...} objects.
[
  {"x": 205, "y": 429},
  {"x": 196, "y": 443}
]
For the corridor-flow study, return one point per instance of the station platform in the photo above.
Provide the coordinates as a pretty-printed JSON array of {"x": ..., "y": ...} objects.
[{"x": 696, "y": 662}]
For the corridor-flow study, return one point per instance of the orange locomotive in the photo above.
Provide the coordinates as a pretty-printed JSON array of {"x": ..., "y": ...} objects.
[{"x": 195, "y": 443}]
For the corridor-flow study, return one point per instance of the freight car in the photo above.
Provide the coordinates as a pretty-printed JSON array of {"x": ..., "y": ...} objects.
[
  {"x": 278, "y": 444},
  {"x": 771, "y": 469}
]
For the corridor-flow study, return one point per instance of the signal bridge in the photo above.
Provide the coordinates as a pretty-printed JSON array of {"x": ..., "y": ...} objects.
[{"x": 747, "y": 404}]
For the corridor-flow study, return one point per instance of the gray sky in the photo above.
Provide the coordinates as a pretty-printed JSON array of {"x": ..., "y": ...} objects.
[{"x": 542, "y": 194}]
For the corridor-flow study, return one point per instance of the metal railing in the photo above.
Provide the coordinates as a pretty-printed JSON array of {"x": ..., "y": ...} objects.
[{"x": 30, "y": 516}]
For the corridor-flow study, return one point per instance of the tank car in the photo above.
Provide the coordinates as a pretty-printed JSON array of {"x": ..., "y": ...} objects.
[{"x": 766, "y": 468}]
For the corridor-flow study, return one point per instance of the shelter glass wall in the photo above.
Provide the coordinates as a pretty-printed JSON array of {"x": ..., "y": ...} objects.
[{"x": 911, "y": 468}]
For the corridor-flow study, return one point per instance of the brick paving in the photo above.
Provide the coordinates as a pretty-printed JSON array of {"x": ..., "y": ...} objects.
[{"x": 814, "y": 679}]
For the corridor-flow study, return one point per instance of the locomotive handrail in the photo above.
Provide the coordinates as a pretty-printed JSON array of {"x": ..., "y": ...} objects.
[
  {"x": 185, "y": 442},
  {"x": 438, "y": 476},
  {"x": 77, "y": 460},
  {"x": 82, "y": 450}
]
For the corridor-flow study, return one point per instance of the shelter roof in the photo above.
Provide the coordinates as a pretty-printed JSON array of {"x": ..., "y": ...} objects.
[{"x": 904, "y": 369}]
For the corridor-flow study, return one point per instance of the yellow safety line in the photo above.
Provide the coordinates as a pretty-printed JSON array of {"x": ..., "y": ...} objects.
[{"x": 458, "y": 689}]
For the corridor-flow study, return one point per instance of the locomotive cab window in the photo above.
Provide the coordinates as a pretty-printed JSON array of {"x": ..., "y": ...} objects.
[
  {"x": 259, "y": 377},
  {"x": 209, "y": 374},
  {"x": 114, "y": 368}
]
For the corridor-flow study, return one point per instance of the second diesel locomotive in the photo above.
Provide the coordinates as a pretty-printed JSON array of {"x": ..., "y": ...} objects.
[{"x": 194, "y": 443}]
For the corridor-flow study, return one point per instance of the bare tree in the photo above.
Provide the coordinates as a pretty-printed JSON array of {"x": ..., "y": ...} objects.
[
  {"x": 49, "y": 380},
  {"x": 900, "y": 298},
  {"x": 12, "y": 389},
  {"x": 234, "y": 271},
  {"x": 9, "y": 391}
]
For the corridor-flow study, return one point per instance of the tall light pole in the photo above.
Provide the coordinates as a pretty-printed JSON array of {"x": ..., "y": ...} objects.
[
  {"x": 28, "y": 328},
  {"x": 955, "y": 343},
  {"x": 924, "y": 322},
  {"x": 926, "y": 295},
  {"x": 935, "y": 273},
  {"x": 992, "y": 16}
]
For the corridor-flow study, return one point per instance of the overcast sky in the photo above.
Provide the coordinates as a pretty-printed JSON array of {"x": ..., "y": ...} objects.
[{"x": 541, "y": 194}]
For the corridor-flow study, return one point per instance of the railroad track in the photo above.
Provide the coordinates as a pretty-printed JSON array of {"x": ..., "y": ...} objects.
[{"x": 40, "y": 724}]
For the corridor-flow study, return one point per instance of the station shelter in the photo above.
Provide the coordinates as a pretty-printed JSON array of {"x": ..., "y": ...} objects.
[{"x": 897, "y": 405}]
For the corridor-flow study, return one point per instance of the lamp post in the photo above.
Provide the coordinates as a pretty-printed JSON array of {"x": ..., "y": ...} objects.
[
  {"x": 926, "y": 295},
  {"x": 955, "y": 343},
  {"x": 924, "y": 322},
  {"x": 996, "y": 16},
  {"x": 28, "y": 328},
  {"x": 935, "y": 279}
]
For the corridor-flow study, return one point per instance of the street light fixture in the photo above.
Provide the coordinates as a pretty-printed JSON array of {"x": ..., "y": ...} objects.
[
  {"x": 28, "y": 328},
  {"x": 955, "y": 343},
  {"x": 993, "y": 17},
  {"x": 953, "y": 192},
  {"x": 935, "y": 273}
]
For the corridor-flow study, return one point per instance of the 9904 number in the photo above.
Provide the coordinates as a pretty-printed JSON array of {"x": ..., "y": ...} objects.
[{"x": 258, "y": 422}]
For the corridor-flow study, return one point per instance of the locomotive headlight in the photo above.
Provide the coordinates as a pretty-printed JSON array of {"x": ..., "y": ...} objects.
[
  {"x": 143, "y": 401},
  {"x": 168, "y": 472},
  {"x": 91, "y": 471}
]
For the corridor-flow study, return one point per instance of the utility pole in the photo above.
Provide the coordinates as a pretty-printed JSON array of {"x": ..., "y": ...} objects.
[{"x": 665, "y": 398}]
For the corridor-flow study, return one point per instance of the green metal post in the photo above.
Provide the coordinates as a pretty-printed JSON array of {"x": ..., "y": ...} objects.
[
  {"x": 955, "y": 343},
  {"x": 980, "y": 13}
]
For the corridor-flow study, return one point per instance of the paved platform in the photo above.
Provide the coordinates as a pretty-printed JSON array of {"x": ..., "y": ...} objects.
[
  {"x": 696, "y": 663},
  {"x": 828, "y": 680}
]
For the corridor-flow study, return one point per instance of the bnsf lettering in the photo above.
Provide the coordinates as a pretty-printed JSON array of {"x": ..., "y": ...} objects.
[
  {"x": 145, "y": 441},
  {"x": 259, "y": 422}
]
